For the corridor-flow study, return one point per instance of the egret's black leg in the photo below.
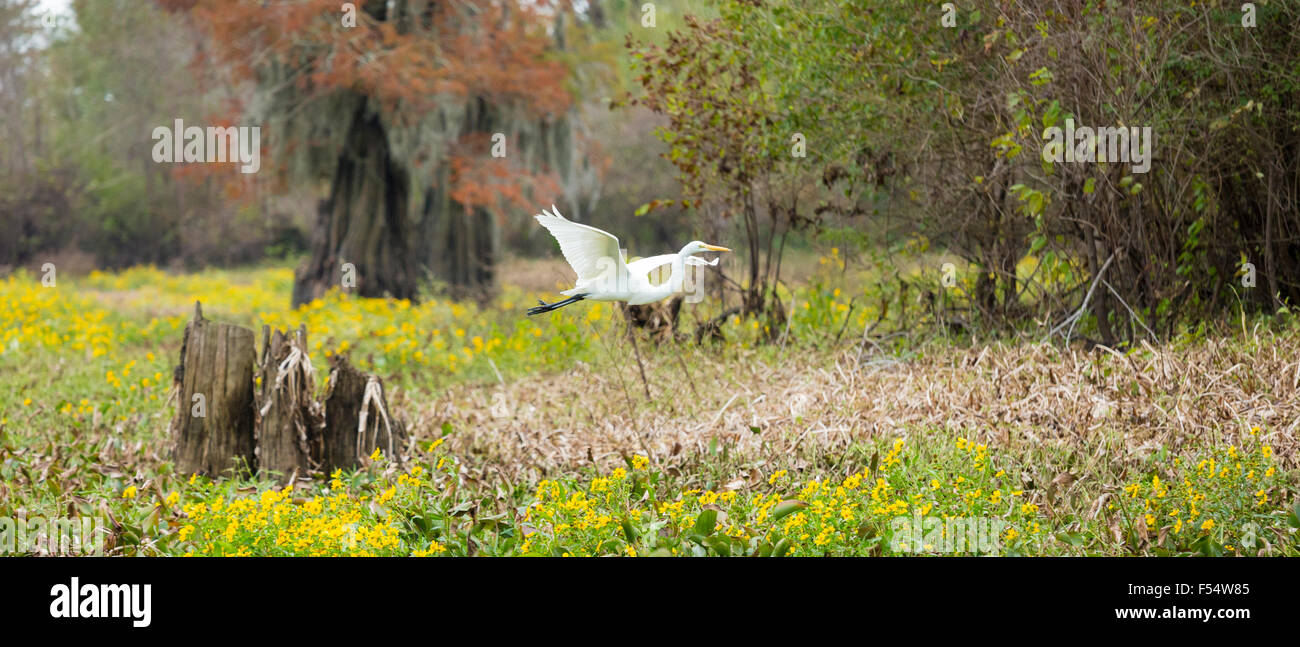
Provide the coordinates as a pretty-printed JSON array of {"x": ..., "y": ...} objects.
[{"x": 547, "y": 307}]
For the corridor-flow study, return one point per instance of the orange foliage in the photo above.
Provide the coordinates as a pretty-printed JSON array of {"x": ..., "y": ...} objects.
[
  {"x": 235, "y": 186},
  {"x": 495, "y": 50},
  {"x": 480, "y": 180}
]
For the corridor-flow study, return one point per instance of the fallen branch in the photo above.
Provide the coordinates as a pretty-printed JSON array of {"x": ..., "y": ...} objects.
[{"x": 1074, "y": 318}]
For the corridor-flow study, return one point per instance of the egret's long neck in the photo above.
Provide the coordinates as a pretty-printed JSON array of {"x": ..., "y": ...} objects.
[{"x": 677, "y": 281}]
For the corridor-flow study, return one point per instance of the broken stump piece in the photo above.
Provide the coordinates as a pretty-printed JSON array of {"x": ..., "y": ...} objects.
[
  {"x": 357, "y": 419},
  {"x": 289, "y": 418}
]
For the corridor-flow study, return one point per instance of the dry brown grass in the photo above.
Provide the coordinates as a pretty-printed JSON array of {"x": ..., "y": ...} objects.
[
  {"x": 1099, "y": 407},
  {"x": 536, "y": 274}
]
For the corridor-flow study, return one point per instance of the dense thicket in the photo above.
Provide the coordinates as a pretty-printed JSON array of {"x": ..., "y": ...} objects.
[{"x": 926, "y": 122}]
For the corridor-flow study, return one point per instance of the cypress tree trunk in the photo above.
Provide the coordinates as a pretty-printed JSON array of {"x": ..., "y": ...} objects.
[
  {"x": 464, "y": 245},
  {"x": 364, "y": 223},
  {"x": 396, "y": 225}
]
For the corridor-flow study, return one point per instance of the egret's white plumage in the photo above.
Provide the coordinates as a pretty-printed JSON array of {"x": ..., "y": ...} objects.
[{"x": 603, "y": 271}]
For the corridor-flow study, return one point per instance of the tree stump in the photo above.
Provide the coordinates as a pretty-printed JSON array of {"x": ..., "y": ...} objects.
[
  {"x": 658, "y": 319},
  {"x": 214, "y": 423},
  {"x": 290, "y": 419},
  {"x": 357, "y": 419}
]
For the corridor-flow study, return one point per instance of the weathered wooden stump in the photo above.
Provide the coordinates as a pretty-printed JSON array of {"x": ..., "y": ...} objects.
[
  {"x": 658, "y": 319},
  {"x": 357, "y": 419},
  {"x": 213, "y": 430},
  {"x": 285, "y": 430},
  {"x": 290, "y": 419}
]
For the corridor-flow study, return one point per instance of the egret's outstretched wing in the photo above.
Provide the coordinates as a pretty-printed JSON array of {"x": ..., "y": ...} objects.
[{"x": 592, "y": 253}]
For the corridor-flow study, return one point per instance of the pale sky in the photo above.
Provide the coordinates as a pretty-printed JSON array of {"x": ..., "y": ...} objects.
[{"x": 58, "y": 7}]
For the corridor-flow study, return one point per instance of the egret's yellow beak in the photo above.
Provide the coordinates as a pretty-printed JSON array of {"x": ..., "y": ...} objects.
[{"x": 716, "y": 248}]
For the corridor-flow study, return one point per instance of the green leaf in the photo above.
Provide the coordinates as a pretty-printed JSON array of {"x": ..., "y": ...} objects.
[
  {"x": 782, "y": 547},
  {"x": 1037, "y": 244},
  {"x": 786, "y": 507},
  {"x": 1208, "y": 547},
  {"x": 420, "y": 523},
  {"x": 1036, "y": 202},
  {"x": 705, "y": 523},
  {"x": 643, "y": 209},
  {"x": 1089, "y": 186},
  {"x": 1052, "y": 116},
  {"x": 720, "y": 544},
  {"x": 1071, "y": 538}
]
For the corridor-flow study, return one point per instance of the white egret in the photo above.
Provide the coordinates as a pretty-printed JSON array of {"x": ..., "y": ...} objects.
[{"x": 603, "y": 271}]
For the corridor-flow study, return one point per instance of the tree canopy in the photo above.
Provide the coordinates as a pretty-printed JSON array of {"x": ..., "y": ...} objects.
[{"x": 398, "y": 107}]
